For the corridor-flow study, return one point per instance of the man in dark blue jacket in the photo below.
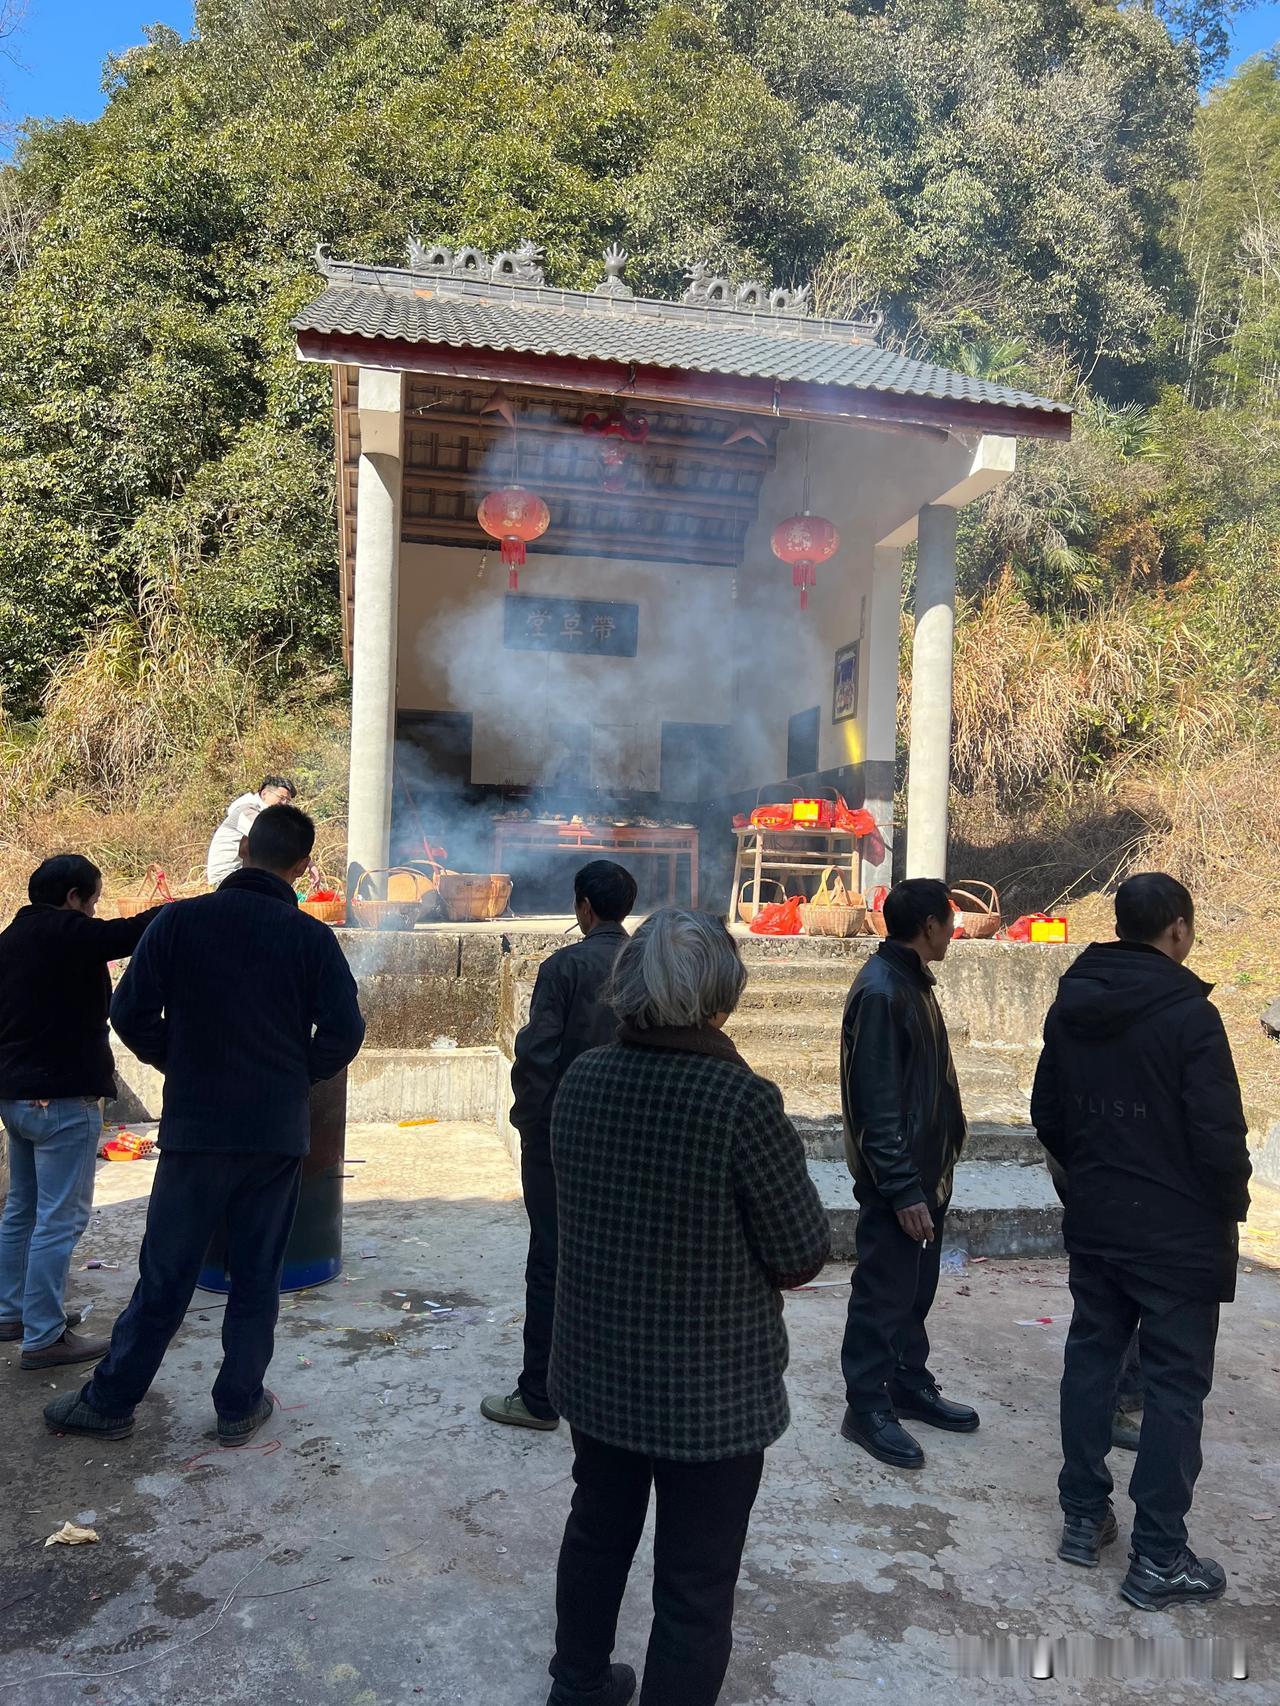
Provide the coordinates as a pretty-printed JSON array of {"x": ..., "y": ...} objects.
[
  {"x": 244, "y": 1003},
  {"x": 1136, "y": 1098}
]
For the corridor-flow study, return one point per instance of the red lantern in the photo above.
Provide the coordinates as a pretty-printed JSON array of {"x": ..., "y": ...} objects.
[
  {"x": 514, "y": 516},
  {"x": 619, "y": 431},
  {"x": 804, "y": 541}
]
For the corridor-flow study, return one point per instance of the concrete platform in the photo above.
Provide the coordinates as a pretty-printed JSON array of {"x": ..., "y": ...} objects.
[
  {"x": 386, "y": 1545},
  {"x": 998, "y": 1208}
]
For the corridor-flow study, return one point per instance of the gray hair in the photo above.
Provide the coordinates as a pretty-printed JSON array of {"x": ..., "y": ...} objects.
[{"x": 680, "y": 968}]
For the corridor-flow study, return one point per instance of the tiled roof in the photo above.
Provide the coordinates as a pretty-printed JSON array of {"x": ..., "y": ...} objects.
[{"x": 427, "y": 308}]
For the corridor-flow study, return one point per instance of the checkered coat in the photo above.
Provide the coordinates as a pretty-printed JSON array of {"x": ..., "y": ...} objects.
[{"x": 685, "y": 1205}]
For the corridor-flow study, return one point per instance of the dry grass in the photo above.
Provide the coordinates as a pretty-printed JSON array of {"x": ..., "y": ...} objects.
[{"x": 1041, "y": 705}]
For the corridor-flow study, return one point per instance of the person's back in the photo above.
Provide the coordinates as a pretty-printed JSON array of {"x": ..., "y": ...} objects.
[
  {"x": 1142, "y": 1089},
  {"x": 668, "y": 1333},
  {"x": 1136, "y": 1100},
  {"x": 243, "y": 1003},
  {"x": 567, "y": 1016},
  {"x": 245, "y": 976}
]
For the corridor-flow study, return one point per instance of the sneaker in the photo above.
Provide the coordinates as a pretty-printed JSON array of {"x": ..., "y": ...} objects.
[
  {"x": 618, "y": 1691},
  {"x": 68, "y": 1349},
  {"x": 11, "y": 1330},
  {"x": 72, "y": 1414},
  {"x": 516, "y": 1414},
  {"x": 1126, "y": 1430},
  {"x": 1152, "y": 1586},
  {"x": 234, "y": 1433},
  {"x": 1083, "y": 1538}
]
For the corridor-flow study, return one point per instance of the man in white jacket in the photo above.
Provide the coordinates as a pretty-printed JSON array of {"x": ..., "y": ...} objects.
[{"x": 224, "y": 849}]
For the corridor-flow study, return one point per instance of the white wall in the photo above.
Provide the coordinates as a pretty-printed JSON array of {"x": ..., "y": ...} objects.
[{"x": 452, "y": 657}]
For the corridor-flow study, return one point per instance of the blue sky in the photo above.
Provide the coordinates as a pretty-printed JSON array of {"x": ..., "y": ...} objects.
[{"x": 63, "y": 43}]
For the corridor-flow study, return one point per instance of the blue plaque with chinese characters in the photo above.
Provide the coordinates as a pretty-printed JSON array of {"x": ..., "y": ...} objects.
[{"x": 579, "y": 625}]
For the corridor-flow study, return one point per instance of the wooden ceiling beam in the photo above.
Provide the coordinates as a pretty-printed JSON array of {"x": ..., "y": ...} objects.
[
  {"x": 638, "y": 548},
  {"x": 725, "y": 507},
  {"x": 751, "y": 458}
]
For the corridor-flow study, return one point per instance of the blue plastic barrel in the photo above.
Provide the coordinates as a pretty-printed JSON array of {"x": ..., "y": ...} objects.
[{"x": 314, "y": 1252}]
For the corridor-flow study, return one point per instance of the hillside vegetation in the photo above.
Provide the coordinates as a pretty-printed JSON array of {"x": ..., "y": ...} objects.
[{"x": 1053, "y": 193}]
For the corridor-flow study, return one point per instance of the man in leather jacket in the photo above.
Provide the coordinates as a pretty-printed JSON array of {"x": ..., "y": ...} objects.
[
  {"x": 904, "y": 1128},
  {"x": 566, "y": 1018}
]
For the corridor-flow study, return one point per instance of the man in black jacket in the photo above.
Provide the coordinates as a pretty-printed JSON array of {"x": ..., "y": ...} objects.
[
  {"x": 904, "y": 1129},
  {"x": 1136, "y": 1097},
  {"x": 566, "y": 1018},
  {"x": 243, "y": 1002},
  {"x": 55, "y": 1068}
]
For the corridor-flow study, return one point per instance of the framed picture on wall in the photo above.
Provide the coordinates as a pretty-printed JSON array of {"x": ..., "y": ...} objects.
[{"x": 844, "y": 700}]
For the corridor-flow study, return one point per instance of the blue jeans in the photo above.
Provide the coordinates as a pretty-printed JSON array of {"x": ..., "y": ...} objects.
[{"x": 52, "y": 1150}]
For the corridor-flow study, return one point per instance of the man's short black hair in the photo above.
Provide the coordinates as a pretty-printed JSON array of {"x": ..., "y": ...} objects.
[
  {"x": 609, "y": 888},
  {"x": 281, "y": 838},
  {"x": 278, "y": 782},
  {"x": 65, "y": 874},
  {"x": 1146, "y": 905},
  {"x": 910, "y": 906}
]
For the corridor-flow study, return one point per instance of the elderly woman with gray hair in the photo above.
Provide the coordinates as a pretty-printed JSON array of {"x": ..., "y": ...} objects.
[{"x": 685, "y": 1209}]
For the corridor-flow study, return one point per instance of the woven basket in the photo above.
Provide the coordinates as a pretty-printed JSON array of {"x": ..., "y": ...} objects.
[
  {"x": 327, "y": 911},
  {"x": 875, "y": 921},
  {"x": 473, "y": 897},
  {"x": 833, "y": 911},
  {"x": 159, "y": 894},
  {"x": 980, "y": 916},
  {"x": 370, "y": 914},
  {"x": 747, "y": 909}
]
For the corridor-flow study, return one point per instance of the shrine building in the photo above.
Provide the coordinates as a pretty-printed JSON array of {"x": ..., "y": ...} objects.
[{"x": 652, "y": 664}]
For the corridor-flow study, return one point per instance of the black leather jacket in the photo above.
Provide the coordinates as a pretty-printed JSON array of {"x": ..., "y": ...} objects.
[
  {"x": 904, "y": 1126},
  {"x": 566, "y": 1018}
]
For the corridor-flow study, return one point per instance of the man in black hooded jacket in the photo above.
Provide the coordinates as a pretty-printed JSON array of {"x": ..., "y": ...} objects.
[{"x": 1136, "y": 1098}]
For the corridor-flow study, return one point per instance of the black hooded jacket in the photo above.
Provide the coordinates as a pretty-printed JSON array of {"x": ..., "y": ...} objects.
[{"x": 1136, "y": 1098}]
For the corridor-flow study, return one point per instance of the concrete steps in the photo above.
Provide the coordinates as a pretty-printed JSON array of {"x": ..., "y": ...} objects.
[{"x": 998, "y": 1209}]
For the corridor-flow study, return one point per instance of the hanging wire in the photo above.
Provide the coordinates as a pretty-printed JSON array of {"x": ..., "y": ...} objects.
[{"x": 808, "y": 428}]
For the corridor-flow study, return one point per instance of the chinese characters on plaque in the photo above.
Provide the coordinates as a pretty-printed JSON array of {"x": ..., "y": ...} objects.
[{"x": 579, "y": 625}]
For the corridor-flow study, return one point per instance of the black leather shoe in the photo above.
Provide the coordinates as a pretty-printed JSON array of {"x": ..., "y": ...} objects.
[
  {"x": 618, "y": 1691},
  {"x": 1152, "y": 1586},
  {"x": 1083, "y": 1538},
  {"x": 879, "y": 1432},
  {"x": 926, "y": 1404}
]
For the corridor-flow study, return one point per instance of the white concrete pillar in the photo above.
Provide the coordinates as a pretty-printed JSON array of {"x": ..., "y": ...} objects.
[
  {"x": 929, "y": 765},
  {"x": 376, "y": 614},
  {"x": 881, "y": 665}
]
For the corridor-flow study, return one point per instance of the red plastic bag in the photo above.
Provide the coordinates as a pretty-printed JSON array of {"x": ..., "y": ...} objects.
[
  {"x": 778, "y": 918},
  {"x": 856, "y": 819},
  {"x": 1020, "y": 929}
]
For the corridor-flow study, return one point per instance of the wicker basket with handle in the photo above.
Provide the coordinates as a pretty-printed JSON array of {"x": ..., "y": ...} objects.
[
  {"x": 474, "y": 897},
  {"x": 977, "y": 909},
  {"x": 324, "y": 900},
  {"x": 833, "y": 910},
  {"x": 159, "y": 894},
  {"x": 399, "y": 914},
  {"x": 747, "y": 909}
]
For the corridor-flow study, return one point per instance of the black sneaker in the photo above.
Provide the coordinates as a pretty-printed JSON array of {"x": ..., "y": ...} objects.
[
  {"x": 880, "y": 1433},
  {"x": 618, "y": 1691},
  {"x": 231, "y": 1434},
  {"x": 1152, "y": 1586},
  {"x": 1083, "y": 1538}
]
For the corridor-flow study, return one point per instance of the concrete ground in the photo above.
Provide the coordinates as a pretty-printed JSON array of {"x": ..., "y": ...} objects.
[{"x": 382, "y": 1543}]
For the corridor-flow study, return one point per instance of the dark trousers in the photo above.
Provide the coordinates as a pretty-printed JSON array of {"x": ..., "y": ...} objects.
[
  {"x": 892, "y": 1291},
  {"x": 1129, "y": 1383},
  {"x": 194, "y": 1195},
  {"x": 539, "y": 1181},
  {"x": 1176, "y": 1339},
  {"x": 703, "y": 1511}
]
